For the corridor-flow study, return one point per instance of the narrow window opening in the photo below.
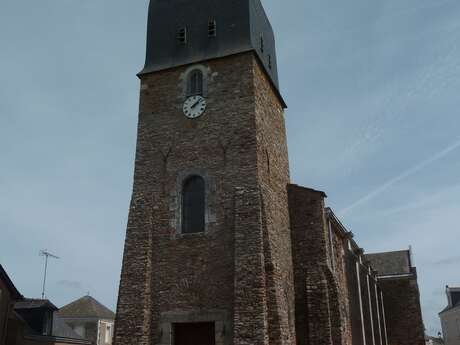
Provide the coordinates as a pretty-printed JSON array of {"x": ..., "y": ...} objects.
[
  {"x": 267, "y": 155},
  {"x": 212, "y": 28},
  {"x": 262, "y": 48},
  {"x": 193, "y": 205},
  {"x": 182, "y": 35},
  {"x": 270, "y": 61},
  {"x": 195, "y": 83}
]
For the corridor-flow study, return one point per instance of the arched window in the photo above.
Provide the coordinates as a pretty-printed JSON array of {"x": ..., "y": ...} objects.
[
  {"x": 195, "y": 83},
  {"x": 193, "y": 205}
]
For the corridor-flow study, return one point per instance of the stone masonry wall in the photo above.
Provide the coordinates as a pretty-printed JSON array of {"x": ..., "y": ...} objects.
[
  {"x": 268, "y": 269},
  {"x": 236, "y": 274},
  {"x": 354, "y": 299},
  {"x": 340, "y": 248},
  {"x": 360, "y": 295},
  {"x": 273, "y": 169},
  {"x": 402, "y": 309},
  {"x": 373, "y": 285},
  {"x": 364, "y": 271},
  {"x": 309, "y": 248},
  {"x": 383, "y": 325},
  {"x": 337, "y": 294}
]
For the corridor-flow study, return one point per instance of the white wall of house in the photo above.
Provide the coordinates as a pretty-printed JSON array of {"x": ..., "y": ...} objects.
[
  {"x": 450, "y": 321},
  {"x": 105, "y": 332}
]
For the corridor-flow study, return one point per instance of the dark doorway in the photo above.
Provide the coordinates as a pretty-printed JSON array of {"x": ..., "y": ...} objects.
[{"x": 194, "y": 333}]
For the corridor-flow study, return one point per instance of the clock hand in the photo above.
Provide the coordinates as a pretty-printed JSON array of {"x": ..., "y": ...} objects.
[{"x": 195, "y": 104}]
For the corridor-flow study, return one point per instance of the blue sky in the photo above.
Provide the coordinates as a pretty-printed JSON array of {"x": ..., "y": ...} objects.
[{"x": 373, "y": 120}]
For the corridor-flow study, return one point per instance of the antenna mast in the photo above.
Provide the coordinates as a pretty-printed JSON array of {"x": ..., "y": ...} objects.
[{"x": 47, "y": 255}]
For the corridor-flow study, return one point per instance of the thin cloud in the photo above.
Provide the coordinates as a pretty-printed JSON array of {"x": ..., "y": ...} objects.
[
  {"x": 448, "y": 261},
  {"x": 431, "y": 200},
  {"x": 70, "y": 284},
  {"x": 402, "y": 176}
]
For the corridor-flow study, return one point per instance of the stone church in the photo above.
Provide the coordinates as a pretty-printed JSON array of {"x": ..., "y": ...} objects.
[{"x": 221, "y": 248}]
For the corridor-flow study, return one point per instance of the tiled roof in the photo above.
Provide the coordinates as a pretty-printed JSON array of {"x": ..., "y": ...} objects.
[
  {"x": 86, "y": 307},
  {"x": 30, "y": 303},
  {"x": 390, "y": 263}
]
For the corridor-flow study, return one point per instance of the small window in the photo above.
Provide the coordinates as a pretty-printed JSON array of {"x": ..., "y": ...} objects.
[
  {"x": 182, "y": 35},
  {"x": 267, "y": 155},
  {"x": 195, "y": 83},
  {"x": 270, "y": 61},
  {"x": 262, "y": 47},
  {"x": 212, "y": 28},
  {"x": 193, "y": 205}
]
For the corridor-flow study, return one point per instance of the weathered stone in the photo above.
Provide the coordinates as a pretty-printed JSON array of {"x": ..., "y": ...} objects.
[{"x": 241, "y": 266}]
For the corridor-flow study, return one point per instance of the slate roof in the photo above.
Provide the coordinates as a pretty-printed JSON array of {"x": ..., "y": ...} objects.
[
  {"x": 241, "y": 26},
  {"x": 9, "y": 284},
  {"x": 390, "y": 263},
  {"x": 30, "y": 303},
  {"x": 86, "y": 307}
]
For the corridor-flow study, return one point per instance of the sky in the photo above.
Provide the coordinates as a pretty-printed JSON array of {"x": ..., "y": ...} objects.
[{"x": 373, "y": 120}]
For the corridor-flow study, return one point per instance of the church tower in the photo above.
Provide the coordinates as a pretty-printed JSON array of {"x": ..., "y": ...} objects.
[{"x": 207, "y": 258}]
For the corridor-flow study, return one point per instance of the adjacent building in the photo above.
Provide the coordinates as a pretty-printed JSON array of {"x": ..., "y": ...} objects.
[
  {"x": 397, "y": 277},
  {"x": 25, "y": 321},
  {"x": 429, "y": 340},
  {"x": 89, "y": 319},
  {"x": 38, "y": 315},
  {"x": 9, "y": 295},
  {"x": 84, "y": 321},
  {"x": 450, "y": 317},
  {"x": 37, "y": 324}
]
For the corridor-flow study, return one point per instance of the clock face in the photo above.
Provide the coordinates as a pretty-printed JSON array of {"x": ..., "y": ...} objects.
[{"x": 194, "y": 107}]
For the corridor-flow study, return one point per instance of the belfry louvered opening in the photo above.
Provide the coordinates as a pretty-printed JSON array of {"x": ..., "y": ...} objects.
[
  {"x": 195, "y": 83},
  {"x": 182, "y": 35},
  {"x": 212, "y": 28}
]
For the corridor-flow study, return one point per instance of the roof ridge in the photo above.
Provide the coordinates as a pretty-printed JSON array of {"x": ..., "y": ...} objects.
[{"x": 86, "y": 306}]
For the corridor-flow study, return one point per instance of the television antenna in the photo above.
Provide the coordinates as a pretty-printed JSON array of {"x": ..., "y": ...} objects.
[{"x": 47, "y": 255}]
